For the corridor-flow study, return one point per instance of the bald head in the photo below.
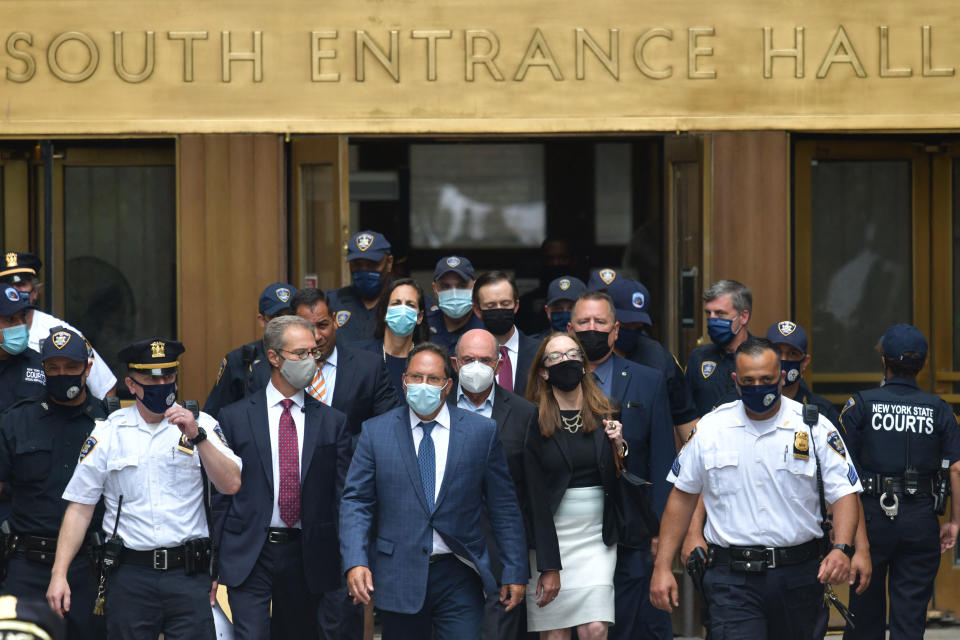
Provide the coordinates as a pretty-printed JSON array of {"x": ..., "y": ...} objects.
[{"x": 478, "y": 344}]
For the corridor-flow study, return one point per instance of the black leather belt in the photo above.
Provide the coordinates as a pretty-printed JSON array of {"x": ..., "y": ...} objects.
[
  {"x": 38, "y": 548},
  {"x": 439, "y": 557},
  {"x": 276, "y": 535},
  {"x": 759, "y": 559},
  {"x": 876, "y": 484},
  {"x": 159, "y": 559}
]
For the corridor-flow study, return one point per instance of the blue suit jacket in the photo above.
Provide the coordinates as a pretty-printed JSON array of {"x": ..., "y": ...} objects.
[
  {"x": 241, "y": 520},
  {"x": 640, "y": 393},
  {"x": 384, "y": 521}
]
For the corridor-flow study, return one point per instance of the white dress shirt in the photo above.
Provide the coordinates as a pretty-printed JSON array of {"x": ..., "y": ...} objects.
[
  {"x": 486, "y": 407},
  {"x": 329, "y": 371},
  {"x": 513, "y": 350},
  {"x": 274, "y": 410},
  {"x": 441, "y": 440}
]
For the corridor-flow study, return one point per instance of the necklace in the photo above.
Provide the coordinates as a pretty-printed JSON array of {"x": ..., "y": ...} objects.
[{"x": 572, "y": 424}]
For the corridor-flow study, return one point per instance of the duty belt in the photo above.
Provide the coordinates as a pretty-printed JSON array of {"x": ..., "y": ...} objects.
[
  {"x": 759, "y": 559},
  {"x": 38, "y": 548},
  {"x": 194, "y": 556},
  {"x": 876, "y": 484}
]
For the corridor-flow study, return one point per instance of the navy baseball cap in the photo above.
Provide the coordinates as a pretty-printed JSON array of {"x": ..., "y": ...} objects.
[
  {"x": 18, "y": 266},
  {"x": 12, "y": 301},
  {"x": 565, "y": 288},
  {"x": 64, "y": 343},
  {"x": 276, "y": 298},
  {"x": 631, "y": 300},
  {"x": 601, "y": 279},
  {"x": 454, "y": 264},
  {"x": 790, "y": 333},
  {"x": 368, "y": 245},
  {"x": 901, "y": 339}
]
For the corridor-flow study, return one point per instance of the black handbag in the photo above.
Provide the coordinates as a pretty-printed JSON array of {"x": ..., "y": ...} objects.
[{"x": 628, "y": 515}]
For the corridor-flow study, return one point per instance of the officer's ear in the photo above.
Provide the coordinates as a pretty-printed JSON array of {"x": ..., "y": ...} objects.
[
  {"x": 805, "y": 362},
  {"x": 454, "y": 364},
  {"x": 131, "y": 385},
  {"x": 388, "y": 264},
  {"x": 262, "y": 320}
]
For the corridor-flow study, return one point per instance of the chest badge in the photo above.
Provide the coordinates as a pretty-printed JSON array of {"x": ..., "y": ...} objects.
[
  {"x": 185, "y": 446},
  {"x": 801, "y": 445},
  {"x": 707, "y": 367}
]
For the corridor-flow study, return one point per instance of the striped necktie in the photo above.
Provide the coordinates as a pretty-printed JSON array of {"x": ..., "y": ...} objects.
[{"x": 318, "y": 387}]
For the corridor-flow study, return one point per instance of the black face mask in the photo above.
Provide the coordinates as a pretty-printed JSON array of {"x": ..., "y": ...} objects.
[
  {"x": 594, "y": 344},
  {"x": 497, "y": 321},
  {"x": 565, "y": 375},
  {"x": 64, "y": 388}
]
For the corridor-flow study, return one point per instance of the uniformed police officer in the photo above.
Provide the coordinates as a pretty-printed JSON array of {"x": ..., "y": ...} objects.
[
  {"x": 791, "y": 340},
  {"x": 728, "y": 305},
  {"x": 39, "y": 441},
  {"x": 235, "y": 379},
  {"x": 561, "y": 294},
  {"x": 21, "y": 374},
  {"x": 900, "y": 437},
  {"x": 453, "y": 315},
  {"x": 354, "y": 306},
  {"x": 755, "y": 462},
  {"x": 145, "y": 461},
  {"x": 21, "y": 270},
  {"x": 601, "y": 279}
]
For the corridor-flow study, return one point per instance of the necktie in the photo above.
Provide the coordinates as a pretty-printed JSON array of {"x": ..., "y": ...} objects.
[
  {"x": 288, "y": 498},
  {"x": 318, "y": 387},
  {"x": 428, "y": 463},
  {"x": 505, "y": 378}
]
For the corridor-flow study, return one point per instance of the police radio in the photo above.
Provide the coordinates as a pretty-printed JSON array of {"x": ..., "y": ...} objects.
[{"x": 193, "y": 407}]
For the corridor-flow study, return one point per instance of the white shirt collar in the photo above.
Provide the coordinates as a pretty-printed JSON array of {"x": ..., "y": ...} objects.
[
  {"x": 513, "y": 343},
  {"x": 442, "y": 419},
  {"x": 274, "y": 396},
  {"x": 489, "y": 398},
  {"x": 332, "y": 360}
]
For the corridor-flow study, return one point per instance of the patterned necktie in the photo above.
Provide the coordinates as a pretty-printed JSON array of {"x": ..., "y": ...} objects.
[
  {"x": 289, "y": 496},
  {"x": 428, "y": 463},
  {"x": 505, "y": 378},
  {"x": 318, "y": 387}
]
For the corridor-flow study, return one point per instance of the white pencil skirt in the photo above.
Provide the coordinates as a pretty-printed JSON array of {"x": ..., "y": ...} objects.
[{"x": 586, "y": 580}]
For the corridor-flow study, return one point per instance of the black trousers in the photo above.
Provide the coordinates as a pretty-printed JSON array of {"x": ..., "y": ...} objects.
[
  {"x": 26, "y": 579},
  {"x": 143, "y": 603},
  {"x": 779, "y": 604},
  {"x": 339, "y": 618}
]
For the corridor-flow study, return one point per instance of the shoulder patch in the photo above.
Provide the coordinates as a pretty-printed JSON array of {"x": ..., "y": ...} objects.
[
  {"x": 833, "y": 439},
  {"x": 693, "y": 432},
  {"x": 342, "y": 318},
  {"x": 217, "y": 430},
  {"x": 850, "y": 403},
  {"x": 852, "y": 474},
  {"x": 223, "y": 366},
  {"x": 87, "y": 447},
  {"x": 707, "y": 367},
  {"x": 675, "y": 469}
]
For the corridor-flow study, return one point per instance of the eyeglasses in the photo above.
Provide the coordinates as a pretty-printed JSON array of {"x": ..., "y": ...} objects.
[
  {"x": 302, "y": 354},
  {"x": 556, "y": 356},
  {"x": 419, "y": 378},
  {"x": 490, "y": 362}
]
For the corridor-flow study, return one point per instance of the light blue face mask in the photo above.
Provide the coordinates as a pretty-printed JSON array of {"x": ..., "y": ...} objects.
[
  {"x": 15, "y": 339},
  {"x": 401, "y": 319},
  {"x": 424, "y": 398},
  {"x": 455, "y": 303}
]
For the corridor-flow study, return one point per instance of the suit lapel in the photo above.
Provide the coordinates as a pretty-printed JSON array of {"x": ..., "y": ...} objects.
[
  {"x": 259, "y": 425},
  {"x": 501, "y": 406},
  {"x": 342, "y": 389},
  {"x": 561, "y": 443},
  {"x": 618, "y": 386},
  {"x": 454, "y": 449},
  {"x": 311, "y": 431},
  {"x": 408, "y": 454}
]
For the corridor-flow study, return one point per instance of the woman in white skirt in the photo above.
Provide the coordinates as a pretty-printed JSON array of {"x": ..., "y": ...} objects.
[{"x": 569, "y": 465}]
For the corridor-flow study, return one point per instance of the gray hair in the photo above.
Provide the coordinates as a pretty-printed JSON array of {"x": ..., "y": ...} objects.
[
  {"x": 739, "y": 294},
  {"x": 274, "y": 336}
]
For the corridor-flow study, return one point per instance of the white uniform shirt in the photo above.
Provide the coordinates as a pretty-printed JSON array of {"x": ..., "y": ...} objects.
[
  {"x": 757, "y": 492},
  {"x": 100, "y": 380},
  {"x": 161, "y": 486},
  {"x": 274, "y": 411},
  {"x": 441, "y": 440}
]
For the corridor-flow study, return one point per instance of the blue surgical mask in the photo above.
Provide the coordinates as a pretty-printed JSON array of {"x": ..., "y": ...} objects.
[
  {"x": 719, "y": 331},
  {"x": 157, "y": 398},
  {"x": 367, "y": 283},
  {"x": 402, "y": 320},
  {"x": 791, "y": 371},
  {"x": 759, "y": 398},
  {"x": 424, "y": 398},
  {"x": 559, "y": 320},
  {"x": 16, "y": 339},
  {"x": 627, "y": 339},
  {"x": 455, "y": 303}
]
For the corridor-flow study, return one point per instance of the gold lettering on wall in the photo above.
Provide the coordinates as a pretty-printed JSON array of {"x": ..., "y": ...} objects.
[
  {"x": 318, "y": 55},
  {"x": 228, "y": 56},
  {"x": 610, "y": 61},
  {"x": 769, "y": 53},
  {"x": 431, "y": 36},
  {"x": 148, "y": 58},
  {"x": 929, "y": 71},
  {"x": 53, "y": 60},
  {"x": 538, "y": 45},
  {"x": 640, "y": 60},
  {"x": 886, "y": 71},
  {"x": 841, "y": 51},
  {"x": 29, "y": 62},
  {"x": 487, "y": 58},
  {"x": 391, "y": 63},
  {"x": 695, "y": 52},
  {"x": 188, "y": 38}
]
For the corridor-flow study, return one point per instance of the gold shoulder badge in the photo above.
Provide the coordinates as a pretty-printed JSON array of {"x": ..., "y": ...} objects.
[
  {"x": 801, "y": 445},
  {"x": 833, "y": 439},
  {"x": 707, "y": 368},
  {"x": 157, "y": 350},
  {"x": 342, "y": 318},
  {"x": 223, "y": 366},
  {"x": 185, "y": 446},
  {"x": 87, "y": 447}
]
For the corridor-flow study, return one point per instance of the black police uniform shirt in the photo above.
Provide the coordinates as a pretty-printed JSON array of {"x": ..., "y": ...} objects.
[
  {"x": 40, "y": 442},
  {"x": 21, "y": 376},
  {"x": 235, "y": 380},
  {"x": 651, "y": 353},
  {"x": 879, "y": 423},
  {"x": 708, "y": 377},
  {"x": 438, "y": 329},
  {"x": 827, "y": 410},
  {"x": 354, "y": 321}
]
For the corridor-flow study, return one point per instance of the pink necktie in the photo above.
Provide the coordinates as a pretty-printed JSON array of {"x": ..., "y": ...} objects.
[
  {"x": 505, "y": 378},
  {"x": 287, "y": 450}
]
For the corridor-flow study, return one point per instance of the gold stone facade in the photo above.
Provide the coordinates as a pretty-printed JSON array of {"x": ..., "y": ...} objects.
[{"x": 366, "y": 66}]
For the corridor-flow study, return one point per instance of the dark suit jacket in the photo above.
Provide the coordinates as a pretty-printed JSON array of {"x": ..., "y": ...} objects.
[
  {"x": 241, "y": 520},
  {"x": 386, "y": 525},
  {"x": 548, "y": 470},
  {"x": 526, "y": 350}
]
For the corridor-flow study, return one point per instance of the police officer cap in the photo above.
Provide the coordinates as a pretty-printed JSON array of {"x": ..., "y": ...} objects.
[
  {"x": 29, "y": 619},
  {"x": 12, "y": 301},
  {"x": 64, "y": 343},
  {"x": 153, "y": 356},
  {"x": 786, "y": 332},
  {"x": 454, "y": 264},
  {"x": 565, "y": 288},
  {"x": 17, "y": 266},
  {"x": 368, "y": 245},
  {"x": 901, "y": 339},
  {"x": 602, "y": 278},
  {"x": 276, "y": 298},
  {"x": 631, "y": 300}
]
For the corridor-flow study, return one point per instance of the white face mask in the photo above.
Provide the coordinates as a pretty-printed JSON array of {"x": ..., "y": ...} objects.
[
  {"x": 299, "y": 373},
  {"x": 476, "y": 377}
]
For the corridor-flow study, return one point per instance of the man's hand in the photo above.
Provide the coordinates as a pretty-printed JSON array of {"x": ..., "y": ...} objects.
[
  {"x": 58, "y": 595},
  {"x": 692, "y": 540},
  {"x": 835, "y": 568},
  {"x": 861, "y": 566},
  {"x": 548, "y": 586},
  {"x": 663, "y": 590},
  {"x": 360, "y": 584},
  {"x": 512, "y": 594},
  {"x": 948, "y": 535},
  {"x": 183, "y": 419}
]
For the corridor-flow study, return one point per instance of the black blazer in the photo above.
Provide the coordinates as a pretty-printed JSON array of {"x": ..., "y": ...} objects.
[
  {"x": 547, "y": 472},
  {"x": 526, "y": 350}
]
